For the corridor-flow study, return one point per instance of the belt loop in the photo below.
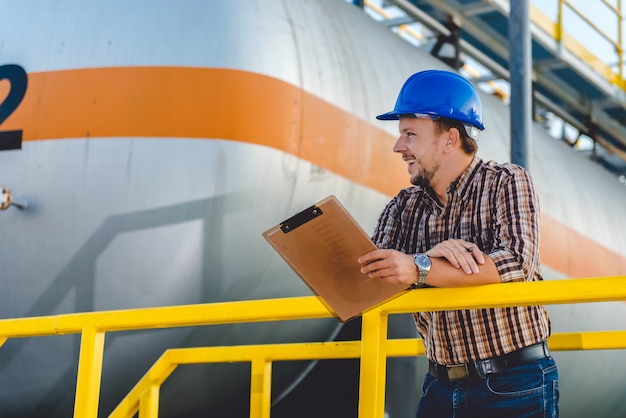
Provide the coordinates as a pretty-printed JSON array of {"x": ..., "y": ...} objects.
[
  {"x": 480, "y": 368},
  {"x": 433, "y": 369},
  {"x": 485, "y": 367}
]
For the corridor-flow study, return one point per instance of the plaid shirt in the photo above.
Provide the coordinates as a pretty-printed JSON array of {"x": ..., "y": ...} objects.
[{"x": 495, "y": 207}]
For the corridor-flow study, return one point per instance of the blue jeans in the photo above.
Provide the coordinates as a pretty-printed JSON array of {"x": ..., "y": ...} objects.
[{"x": 528, "y": 390}]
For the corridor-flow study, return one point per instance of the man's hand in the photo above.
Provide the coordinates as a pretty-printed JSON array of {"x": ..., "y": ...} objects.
[
  {"x": 389, "y": 265},
  {"x": 460, "y": 254}
]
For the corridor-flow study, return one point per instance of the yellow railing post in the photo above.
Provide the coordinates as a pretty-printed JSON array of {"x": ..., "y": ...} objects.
[
  {"x": 89, "y": 373},
  {"x": 260, "y": 388},
  {"x": 559, "y": 23},
  {"x": 145, "y": 396},
  {"x": 149, "y": 402},
  {"x": 373, "y": 364}
]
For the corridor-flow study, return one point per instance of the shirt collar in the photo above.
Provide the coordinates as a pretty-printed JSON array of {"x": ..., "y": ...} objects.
[{"x": 464, "y": 178}]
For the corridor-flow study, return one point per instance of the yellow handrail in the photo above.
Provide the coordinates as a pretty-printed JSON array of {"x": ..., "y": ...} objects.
[
  {"x": 617, "y": 44},
  {"x": 374, "y": 346}
]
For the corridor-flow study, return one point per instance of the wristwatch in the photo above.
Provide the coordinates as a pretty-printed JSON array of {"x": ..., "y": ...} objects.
[{"x": 422, "y": 261}]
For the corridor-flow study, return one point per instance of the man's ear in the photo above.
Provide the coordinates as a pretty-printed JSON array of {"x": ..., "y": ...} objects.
[{"x": 453, "y": 139}]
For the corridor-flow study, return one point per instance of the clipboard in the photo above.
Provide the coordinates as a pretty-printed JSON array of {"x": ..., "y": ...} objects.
[{"x": 322, "y": 244}]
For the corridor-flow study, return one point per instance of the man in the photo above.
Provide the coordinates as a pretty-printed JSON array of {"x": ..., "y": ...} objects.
[{"x": 465, "y": 222}]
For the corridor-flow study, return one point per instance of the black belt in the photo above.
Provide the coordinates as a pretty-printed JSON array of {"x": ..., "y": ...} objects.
[{"x": 480, "y": 368}]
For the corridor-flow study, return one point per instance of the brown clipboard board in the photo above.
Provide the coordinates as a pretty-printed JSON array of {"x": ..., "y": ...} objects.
[{"x": 322, "y": 244}]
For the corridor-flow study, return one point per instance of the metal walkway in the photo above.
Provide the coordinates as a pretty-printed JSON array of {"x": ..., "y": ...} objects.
[{"x": 568, "y": 80}]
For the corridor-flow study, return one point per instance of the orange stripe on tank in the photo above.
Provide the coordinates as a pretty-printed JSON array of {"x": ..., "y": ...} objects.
[
  {"x": 574, "y": 254},
  {"x": 207, "y": 103}
]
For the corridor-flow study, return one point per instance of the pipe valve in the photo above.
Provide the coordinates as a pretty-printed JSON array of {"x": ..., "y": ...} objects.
[{"x": 7, "y": 200}]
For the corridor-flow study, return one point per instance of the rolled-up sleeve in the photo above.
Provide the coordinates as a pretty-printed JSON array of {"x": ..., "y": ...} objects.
[{"x": 516, "y": 228}]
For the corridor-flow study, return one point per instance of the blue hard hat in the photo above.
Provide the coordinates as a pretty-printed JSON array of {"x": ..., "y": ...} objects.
[{"x": 439, "y": 93}]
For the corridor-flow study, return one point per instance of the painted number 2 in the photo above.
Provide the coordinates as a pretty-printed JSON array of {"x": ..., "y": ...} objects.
[{"x": 19, "y": 81}]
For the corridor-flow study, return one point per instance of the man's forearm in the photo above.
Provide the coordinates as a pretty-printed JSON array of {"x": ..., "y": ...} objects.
[{"x": 444, "y": 274}]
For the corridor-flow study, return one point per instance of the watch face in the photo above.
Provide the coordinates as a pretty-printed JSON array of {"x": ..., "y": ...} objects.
[{"x": 422, "y": 261}]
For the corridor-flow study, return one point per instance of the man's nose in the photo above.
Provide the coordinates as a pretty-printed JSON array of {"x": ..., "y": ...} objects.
[{"x": 400, "y": 145}]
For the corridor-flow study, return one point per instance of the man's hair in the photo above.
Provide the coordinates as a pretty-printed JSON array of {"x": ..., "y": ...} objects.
[{"x": 468, "y": 145}]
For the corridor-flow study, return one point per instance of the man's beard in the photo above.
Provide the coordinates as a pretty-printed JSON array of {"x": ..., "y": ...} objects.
[
  {"x": 424, "y": 176},
  {"x": 420, "y": 180}
]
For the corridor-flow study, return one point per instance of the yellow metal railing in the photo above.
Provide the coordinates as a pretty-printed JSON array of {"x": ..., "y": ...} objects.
[
  {"x": 144, "y": 397},
  {"x": 555, "y": 29},
  {"x": 616, "y": 44},
  {"x": 373, "y": 349}
]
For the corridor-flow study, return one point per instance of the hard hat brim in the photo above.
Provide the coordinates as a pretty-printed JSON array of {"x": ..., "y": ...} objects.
[{"x": 393, "y": 115}]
